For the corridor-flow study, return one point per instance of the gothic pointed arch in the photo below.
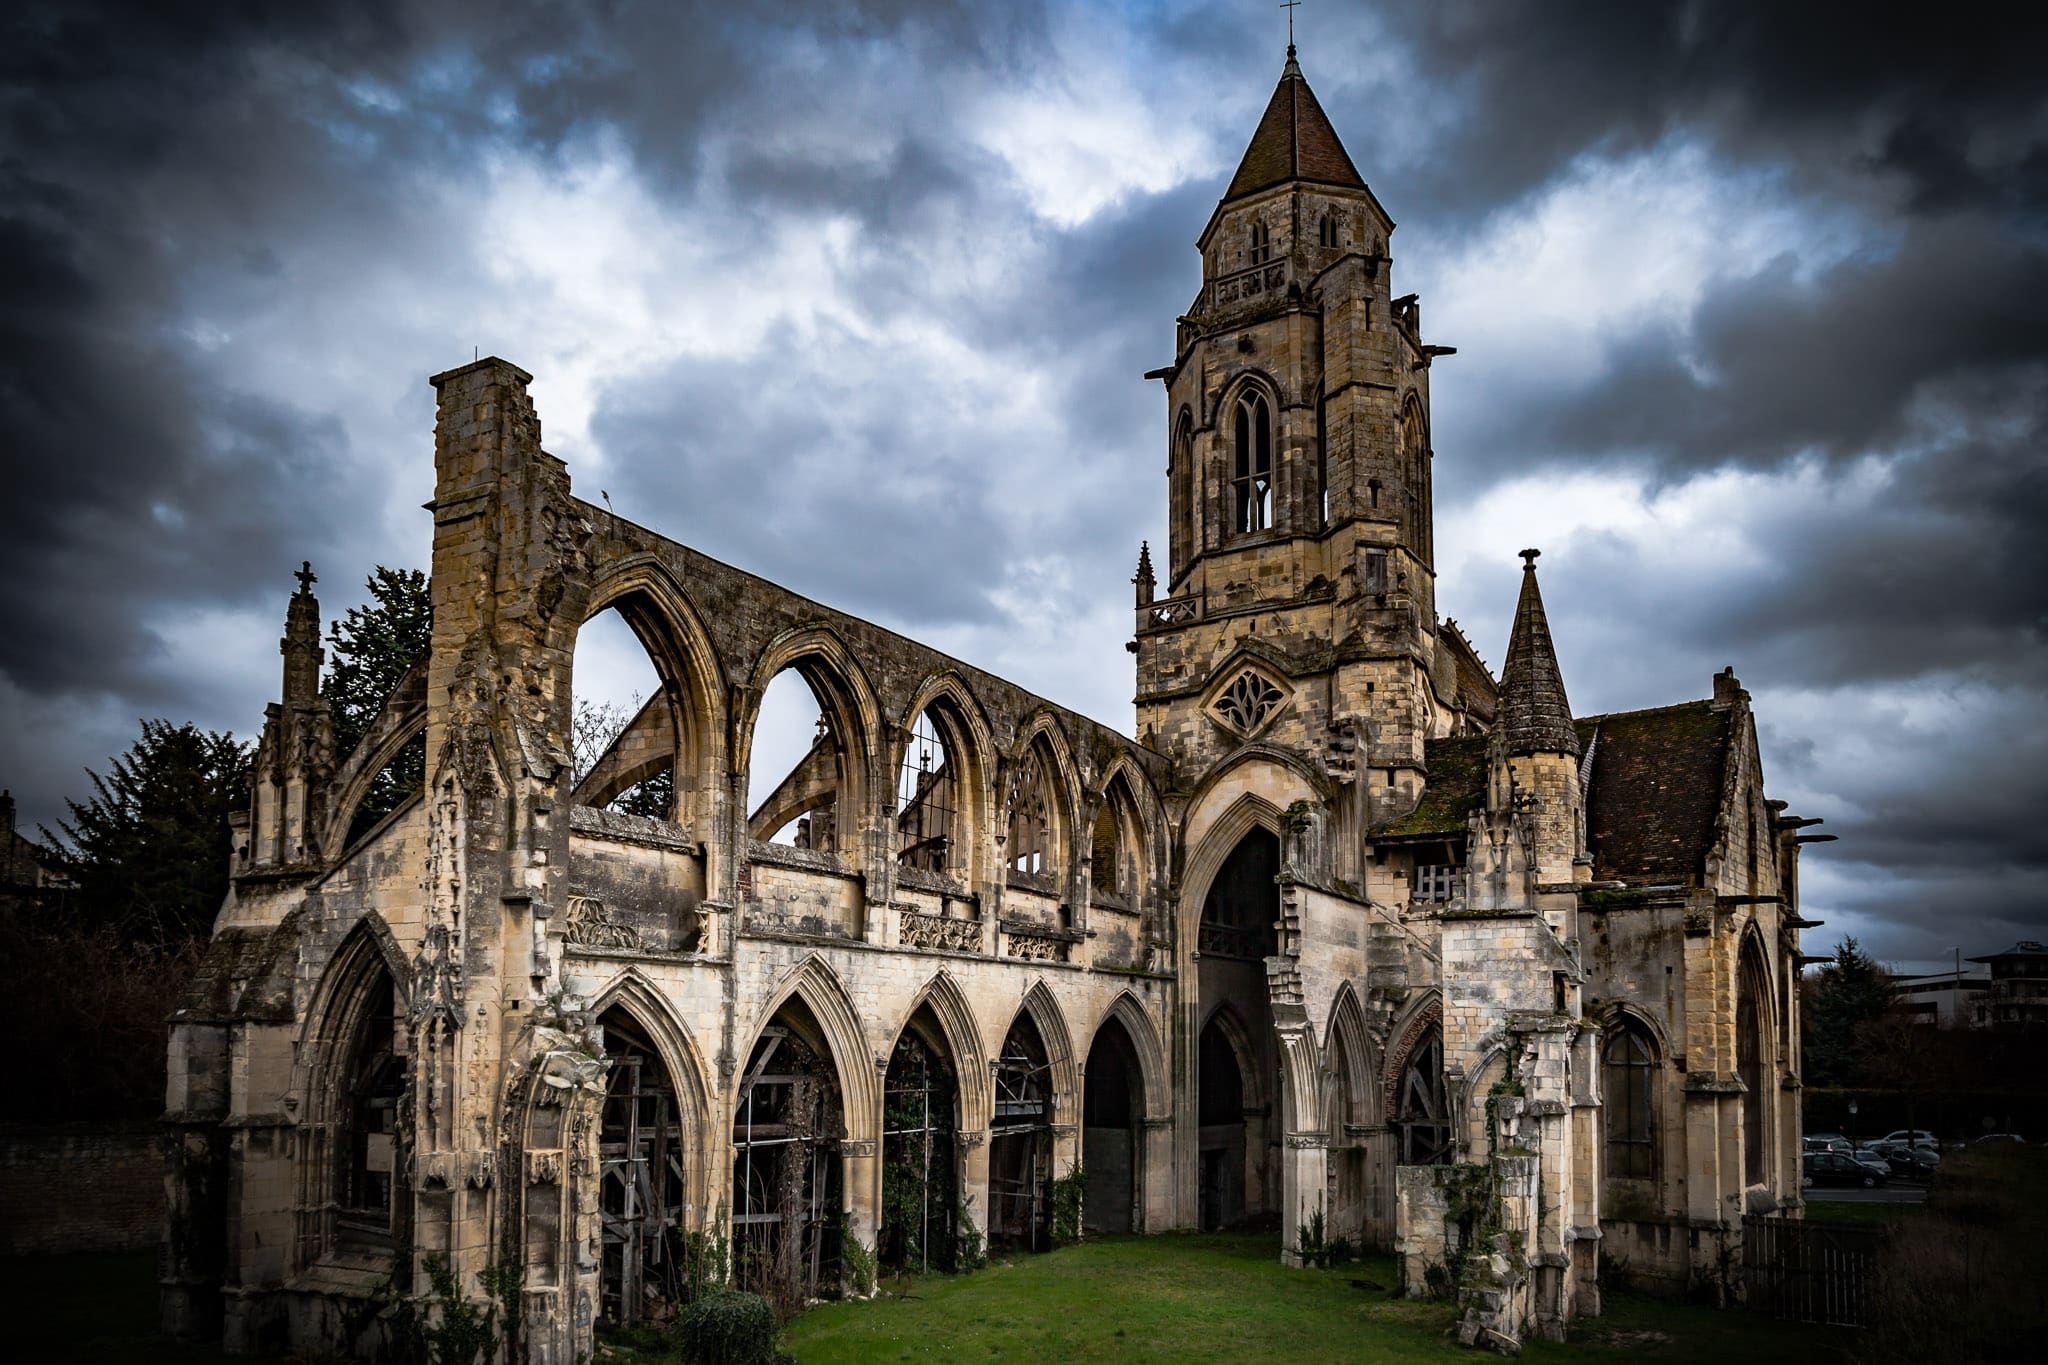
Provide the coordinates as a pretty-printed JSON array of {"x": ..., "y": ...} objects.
[
  {"x": 1251, "y": 1076},
  {"x": 351, "y": 1079},
  {"x": 1144, "y": 1037},
  {"x": 1051, "y": 1023},
  {"x": 850, "y": 738},
  {"x": 691, "y": 702},
  {"x": 949, "y": 1005},
  {"x": 1755, "y": 1056},
  {"x": 815, "y": 984},
  {"x": 944, "y": 773},
  {"x": 633, "y": 993},
  {"x": 1353, "y": 1063},
  {"x": 1042, "y": 803}
]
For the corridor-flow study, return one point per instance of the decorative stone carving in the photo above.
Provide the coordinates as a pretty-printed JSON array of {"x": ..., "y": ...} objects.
[
  {"x": 918, "y": 930},
  {"x": 1021, "y": 943},
  {"x": 590, "y": 925},
  {"x": 1248, "y": 702}
]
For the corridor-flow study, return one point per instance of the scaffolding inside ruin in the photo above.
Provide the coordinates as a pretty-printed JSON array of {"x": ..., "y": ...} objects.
[{"x": 787, "y": 1131}]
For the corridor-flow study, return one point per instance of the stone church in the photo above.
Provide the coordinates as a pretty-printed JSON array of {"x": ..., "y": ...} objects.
[{"x": 1349, "y": 938}]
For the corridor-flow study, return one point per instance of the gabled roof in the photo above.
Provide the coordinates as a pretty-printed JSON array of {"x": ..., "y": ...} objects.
[
  {"x": 1656, "y": 790},
  {"x": 1294, "y": 142},
  {"x": 1654, "y": 799}
]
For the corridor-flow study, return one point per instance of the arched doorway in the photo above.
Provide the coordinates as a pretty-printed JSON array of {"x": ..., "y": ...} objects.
[
  {"x": 1020, "y": 1170},
  {"x": 1237, "y": 1071},
  {"x": 642, "y": 1182},
  {"x": 1422, "y": 1111},
  {"x": 920, "y": 1151},
  {"x": 1112, "y": 1130},
  {"x": 1221, "y": 1114},
  {"x": 787, "y": 1173}
]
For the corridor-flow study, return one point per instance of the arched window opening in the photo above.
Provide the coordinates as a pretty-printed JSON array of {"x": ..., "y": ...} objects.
[
  {"x": 787, "y": 1173},
  {"x": 920, "y": 1152},
  {"x": 1032, "y": 844},
  {"x": 1020, "y": 1170},
  {"x": 1628, "y": 1096},
  {"x": 1421, "y": 1109},
  {"x": 642, "y": 1191},
  {"x": 1180, "y": 479},
  {"x": 796, "y": 768},
  {"x": 1261, "y": 249},
  {"x": 1252, "y": 476},
  {"x": 1415, "y": 447},
  {"x": 369, "y": 1159},
  {"x": 623, "y": 740},
  {"x": 1749, "y": 1065},
  {"x": 1114, "y": 847},
  {"x": 1219, "y": 1106},
  {"x": 1242, "y": 909},
  {"x": 929, "y": 836},
  {"x": 1112, "y": 1131},
  {"x": 1332, "y": 230}
]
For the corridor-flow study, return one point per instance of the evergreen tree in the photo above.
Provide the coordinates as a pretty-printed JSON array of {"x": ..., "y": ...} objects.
[
  {"x": 369, "y": 650},
  {"x": 149, "y": 849},
  {"x": 1842, "y": 1004}
]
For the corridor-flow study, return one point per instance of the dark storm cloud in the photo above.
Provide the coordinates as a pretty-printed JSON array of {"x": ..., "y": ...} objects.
[
  {"x": 167, "y": 170},
  {"x": 154, "y": 155},
  {"x": 1948, "y": 105}
]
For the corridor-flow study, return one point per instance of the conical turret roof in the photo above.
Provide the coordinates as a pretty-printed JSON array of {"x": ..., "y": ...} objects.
[
  {"x": 1294, "y": 142},
  {"x": 1534, "y": 717}
]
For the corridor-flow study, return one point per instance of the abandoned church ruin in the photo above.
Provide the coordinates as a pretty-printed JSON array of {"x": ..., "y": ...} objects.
[{"x": 1351, "y": 936}]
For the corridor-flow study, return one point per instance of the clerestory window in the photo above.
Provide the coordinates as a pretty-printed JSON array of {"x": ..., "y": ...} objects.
[{"x": 1252, "y": 476}]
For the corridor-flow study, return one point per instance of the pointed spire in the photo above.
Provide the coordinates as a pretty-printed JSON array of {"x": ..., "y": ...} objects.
[
  {"x": 1535, "y": 717},
  {"x": 1144, "y": 579},
  {"x": 1294, "y": 142},
  {"x": 301, "y": 643}
]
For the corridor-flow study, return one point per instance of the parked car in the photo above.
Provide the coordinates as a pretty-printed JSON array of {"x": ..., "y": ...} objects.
[
  {"x": 2000, "y": 1137},
  {"x": 1912, "y": 1137},
  {"x": 1834, "y": 1168},
  {"x": 1827, "y": 1142},
  {"x": 1870, "y": 1156},
  {"x": 1914, "y": 1163}
]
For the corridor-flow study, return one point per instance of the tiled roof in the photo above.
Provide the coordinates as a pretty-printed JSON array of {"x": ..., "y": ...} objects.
[
  {"x": 1294, "y": 142},
  {"x": 1657, "y": 781}
]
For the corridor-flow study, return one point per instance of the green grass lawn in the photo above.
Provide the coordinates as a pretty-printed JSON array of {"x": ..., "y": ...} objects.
[{"x": 1227, "y": 1297}]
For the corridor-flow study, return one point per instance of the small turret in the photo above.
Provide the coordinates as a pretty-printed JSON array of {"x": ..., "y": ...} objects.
[
  {"x": 301, "y": 643},
  {"x": 1146, "y": 583},
  {"x": 1535, "y": 717}
]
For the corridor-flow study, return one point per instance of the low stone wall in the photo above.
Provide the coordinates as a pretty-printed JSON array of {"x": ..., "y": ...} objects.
[
  {"x": 81, "y": 1187},
  {"x": 1656, "y": 1256}
]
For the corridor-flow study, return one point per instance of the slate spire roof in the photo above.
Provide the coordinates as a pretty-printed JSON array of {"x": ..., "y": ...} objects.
[
  {"x": 1294, "y": 142},
  {"x": 1535, "y": 717}
]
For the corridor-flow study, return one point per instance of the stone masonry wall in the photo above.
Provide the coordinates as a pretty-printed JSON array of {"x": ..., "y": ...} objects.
[{"x": 80, "y": 1188}]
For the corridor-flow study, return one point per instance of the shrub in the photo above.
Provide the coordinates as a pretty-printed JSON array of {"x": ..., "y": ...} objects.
[
  {"x": 727, "y": 1327},
  {"x": 1067, "y": 1194}
]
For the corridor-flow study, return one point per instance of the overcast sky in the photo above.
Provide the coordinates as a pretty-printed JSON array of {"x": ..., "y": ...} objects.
[{"x": 1751, "y": 304}]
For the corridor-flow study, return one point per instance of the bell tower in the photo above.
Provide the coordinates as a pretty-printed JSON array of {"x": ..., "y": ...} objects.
[{"x": 1299, "y": 545}]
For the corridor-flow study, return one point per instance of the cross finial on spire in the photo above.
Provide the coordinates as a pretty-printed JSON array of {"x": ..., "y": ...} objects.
[
  {"x": 1290, "y": 6},
  {"x": 1529, "y": 560},
  {"x": 307, "y": 578}
]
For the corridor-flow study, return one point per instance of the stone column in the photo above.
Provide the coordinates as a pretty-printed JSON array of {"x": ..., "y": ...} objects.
[
  {"x": 1304, "y": 1180},
  {"x": 974, "y": 1178}
]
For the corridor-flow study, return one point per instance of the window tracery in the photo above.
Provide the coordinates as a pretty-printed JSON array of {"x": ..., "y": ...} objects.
[
  {"x": 1252, "y": 475},
  {"x": 1248, "y": 702},
  {"x": 1032, "y": 840}
]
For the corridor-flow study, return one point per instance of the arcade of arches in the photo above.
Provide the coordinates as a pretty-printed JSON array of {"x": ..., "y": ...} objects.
[{"x": 825, "y": 937}]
